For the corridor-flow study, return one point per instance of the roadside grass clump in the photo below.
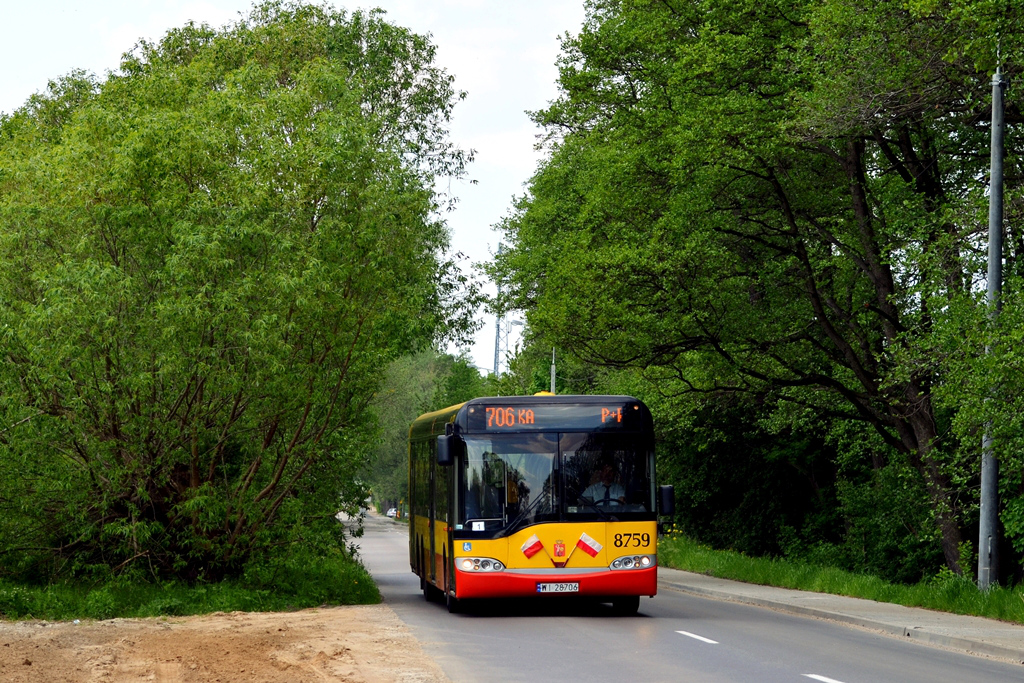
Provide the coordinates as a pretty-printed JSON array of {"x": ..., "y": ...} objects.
[
  {"x": 945, "y": 592},
  {"x": 287, "y": 582}
]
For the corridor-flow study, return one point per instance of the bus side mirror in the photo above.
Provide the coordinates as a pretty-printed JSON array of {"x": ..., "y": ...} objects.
[
  {"x": 446, "y": 445},
  {"x": 666, "y": 500}
]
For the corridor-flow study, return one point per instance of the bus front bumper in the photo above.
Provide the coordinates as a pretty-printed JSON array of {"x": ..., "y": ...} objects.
[{"x": 512, "y": 584}]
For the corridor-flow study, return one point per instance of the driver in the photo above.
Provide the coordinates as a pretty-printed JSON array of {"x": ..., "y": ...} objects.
[{"x": 605, "y": 489}]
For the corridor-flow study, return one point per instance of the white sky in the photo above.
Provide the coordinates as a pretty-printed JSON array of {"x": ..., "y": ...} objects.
[{"x": 502, "y": 53}]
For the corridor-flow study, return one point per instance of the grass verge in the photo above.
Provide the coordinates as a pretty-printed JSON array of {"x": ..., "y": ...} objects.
[
  {"x": 296, "y": 583},
  {"x": 945, "y": 592}
]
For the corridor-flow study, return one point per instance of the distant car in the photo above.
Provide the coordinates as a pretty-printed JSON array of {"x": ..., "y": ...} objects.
[{"x": 392, "y": 512}]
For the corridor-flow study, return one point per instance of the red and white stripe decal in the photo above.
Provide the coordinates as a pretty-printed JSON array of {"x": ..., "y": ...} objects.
[
  {"x": 588, "y": 545},
  {"x": 532, "y": 546}
]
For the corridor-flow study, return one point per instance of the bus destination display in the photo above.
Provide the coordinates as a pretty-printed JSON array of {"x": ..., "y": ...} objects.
[{"x": 549, "y": 416}]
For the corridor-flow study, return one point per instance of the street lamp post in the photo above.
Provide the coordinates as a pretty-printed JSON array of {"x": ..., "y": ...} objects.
[
  {"x": 988, "y": 528},
  {"x": 552, "y": 369}
]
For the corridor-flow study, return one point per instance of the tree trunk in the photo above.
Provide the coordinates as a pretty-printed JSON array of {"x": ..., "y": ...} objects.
[
  {"x": 919, "y": 435},
  {"x": 913, "y": 417}
]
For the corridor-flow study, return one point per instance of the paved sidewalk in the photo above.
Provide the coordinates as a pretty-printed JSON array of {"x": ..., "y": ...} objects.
[{"x": 974, "y": 635}]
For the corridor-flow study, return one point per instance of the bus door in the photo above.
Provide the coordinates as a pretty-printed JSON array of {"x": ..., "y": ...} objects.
[
  {"x": 449, "y": 495},
  {"x": 431, "y": 509}
]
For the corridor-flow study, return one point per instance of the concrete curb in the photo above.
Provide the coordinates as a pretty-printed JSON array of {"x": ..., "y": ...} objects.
[{"x": 917, "y": 633}]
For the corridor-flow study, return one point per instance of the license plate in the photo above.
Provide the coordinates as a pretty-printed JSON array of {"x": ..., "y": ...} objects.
[{"x": 558, "y": 587}]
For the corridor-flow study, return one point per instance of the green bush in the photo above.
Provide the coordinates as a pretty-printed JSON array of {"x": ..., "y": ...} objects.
[
  {"x": 946, "y": 591},
  {"x": 293, "y": 580}
]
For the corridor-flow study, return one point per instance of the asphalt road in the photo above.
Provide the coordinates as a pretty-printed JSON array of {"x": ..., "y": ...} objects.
[{"x": 675, "y": 637}]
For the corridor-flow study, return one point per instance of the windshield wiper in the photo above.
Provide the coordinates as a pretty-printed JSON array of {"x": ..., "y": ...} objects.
[
  {"x": 601, "y": 513},
  {"x": 523, "y": 514}
]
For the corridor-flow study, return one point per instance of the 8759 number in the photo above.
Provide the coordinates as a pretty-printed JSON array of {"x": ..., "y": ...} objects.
[{"x": 632, "y": 540}]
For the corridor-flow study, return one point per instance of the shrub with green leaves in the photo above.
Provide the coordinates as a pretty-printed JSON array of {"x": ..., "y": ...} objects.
[{"x": 299, "y": 579}]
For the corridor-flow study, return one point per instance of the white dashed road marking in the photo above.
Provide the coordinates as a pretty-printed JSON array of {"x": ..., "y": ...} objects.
[{"x": 696, "y": 637}]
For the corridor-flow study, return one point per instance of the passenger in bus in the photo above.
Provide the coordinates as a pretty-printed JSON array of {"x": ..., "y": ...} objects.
[{"x": 606, "y": 491}]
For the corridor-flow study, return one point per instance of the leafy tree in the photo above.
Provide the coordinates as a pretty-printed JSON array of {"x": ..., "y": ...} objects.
[
  {"x": 776, "y": 200},
  {"x": 459, "y": 381},
  {"x": 406, "y": 392},
  {"x": 413, "y": 385},
  {"x": 206, "y": 261},
  {"x": 529, "y": 372}
]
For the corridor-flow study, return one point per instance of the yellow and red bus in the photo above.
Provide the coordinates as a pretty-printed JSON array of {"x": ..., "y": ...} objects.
[{"x": 536, "y": 496}]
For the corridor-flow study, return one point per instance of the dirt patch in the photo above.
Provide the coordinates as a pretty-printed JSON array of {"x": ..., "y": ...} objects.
[{"x": 364, "y": 643}]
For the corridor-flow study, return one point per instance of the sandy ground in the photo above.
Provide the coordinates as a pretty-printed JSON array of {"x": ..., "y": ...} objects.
[{"x": 359, "y": 644}]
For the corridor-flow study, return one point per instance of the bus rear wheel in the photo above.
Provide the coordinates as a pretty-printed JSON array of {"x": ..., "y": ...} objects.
[
  {"x": 422, "y": 569},
  {"x": 626, "y": 605},
  {"x": 432, "y": 593}
]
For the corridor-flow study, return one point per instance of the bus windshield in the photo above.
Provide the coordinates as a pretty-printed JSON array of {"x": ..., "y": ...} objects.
[
  {"x": 605, "y": 474},
  {"x": 511, "y": 480}
]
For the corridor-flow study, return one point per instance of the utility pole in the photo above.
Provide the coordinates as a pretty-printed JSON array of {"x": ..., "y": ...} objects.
[
  {"x": 988, "y": 531},
  {"x": 553, "y": 370},
  {"x": 497, "y": 342},
  {"x": 498, "y": 351}
]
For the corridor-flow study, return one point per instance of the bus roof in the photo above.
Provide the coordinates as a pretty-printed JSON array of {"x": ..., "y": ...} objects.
[{"x": 433, "y": 423}]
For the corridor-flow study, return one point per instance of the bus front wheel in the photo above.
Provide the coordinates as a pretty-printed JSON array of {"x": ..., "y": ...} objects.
[
  {"x": 626, "y": 605},
  {"x": 453, "y": 603}
]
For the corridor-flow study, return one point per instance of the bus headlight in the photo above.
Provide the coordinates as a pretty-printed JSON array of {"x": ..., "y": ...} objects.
[
  {"x": 479, "y": 564},
  {"x": 634, "y": 562}
]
